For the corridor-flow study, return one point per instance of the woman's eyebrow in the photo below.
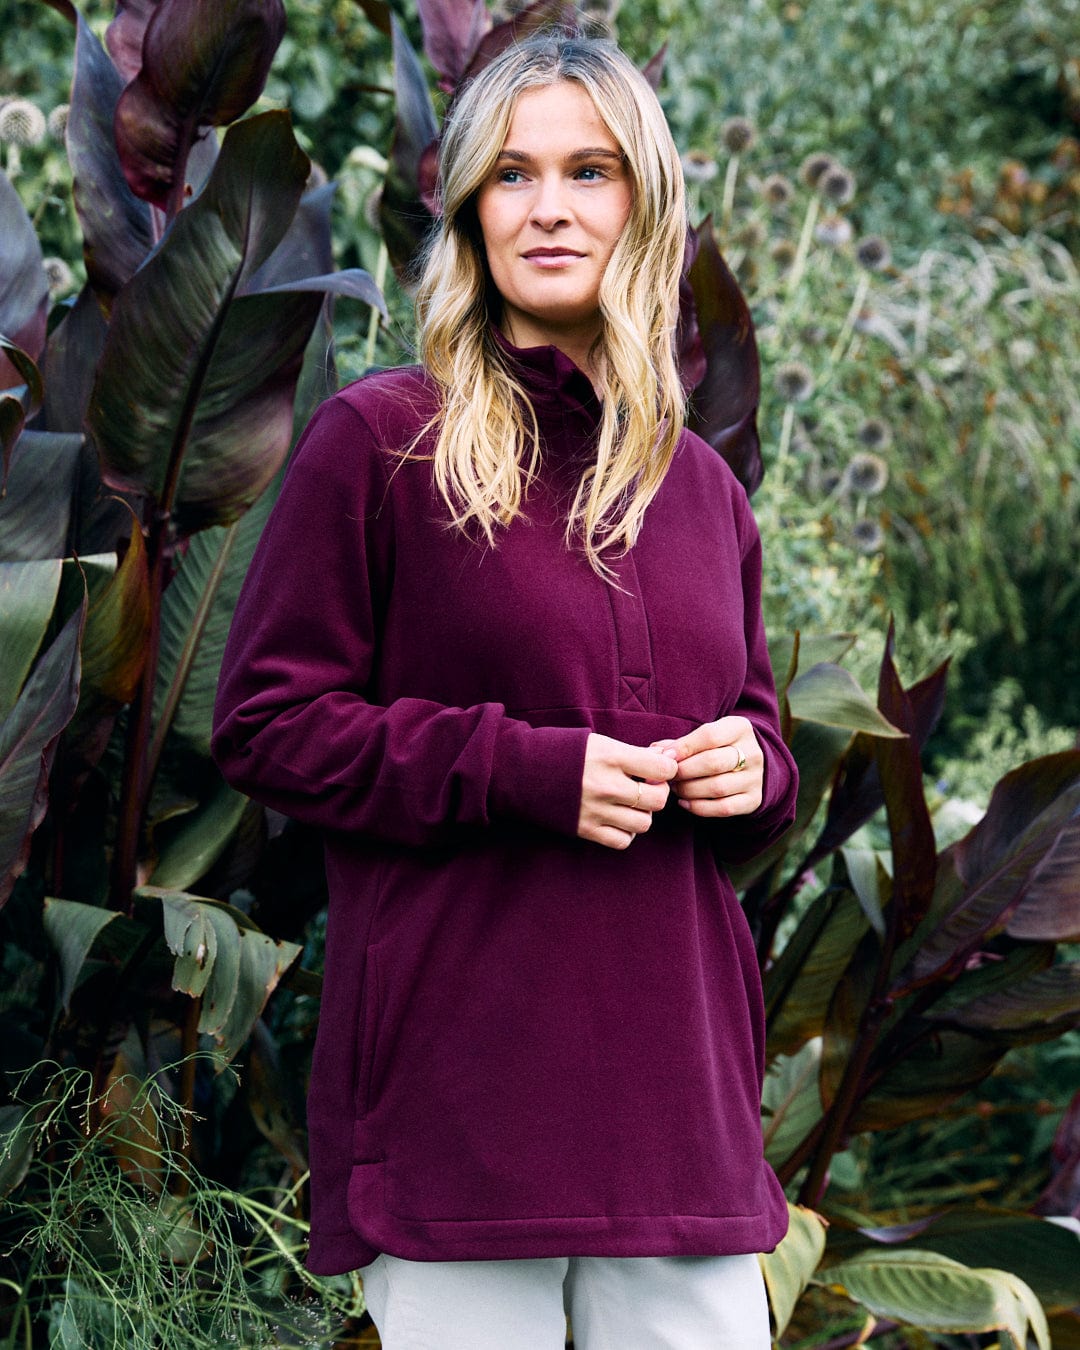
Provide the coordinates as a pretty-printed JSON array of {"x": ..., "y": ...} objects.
[{"x": 588, "y": 152}]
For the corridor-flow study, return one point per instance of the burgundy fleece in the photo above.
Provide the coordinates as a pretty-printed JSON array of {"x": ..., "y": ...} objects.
[{"x": 529, "y": 1045}]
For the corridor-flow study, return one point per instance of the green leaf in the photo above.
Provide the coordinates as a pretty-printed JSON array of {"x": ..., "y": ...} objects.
[
  {"x": 936, "y": 1067},
  {"x": 831, "y": 695},
  {"x": 17, "y": 1134},
  {"x": 1047, "y": 1002},
  {"x": 222, "y": 958},
  {"x": 115, "y": 643},
  {"x": 198, "y": 839},
  {"x": 869, "y": 877},
  {"x": 73, "y": 928},
  {"x": 789, "y": 1268},
  {"x": 28, "y": 736},
  {"x": 71, "y": 356},
  {"x": 16, "y": 408},
  {"x": 846, "y": 1008},
  {"x": 923, "y": 1289},
  {"x": 193, "y": 399},
  {"x": 27, "y": 595},
  {"x": 35, "y": 511},
  {"x": 204, "y": 63},
  {"x": 813, "y": 649},
  {"x": 791, "y": 1100}
]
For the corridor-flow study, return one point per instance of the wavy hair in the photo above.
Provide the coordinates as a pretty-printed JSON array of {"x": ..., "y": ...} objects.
[{"x": 488, "y": 447}]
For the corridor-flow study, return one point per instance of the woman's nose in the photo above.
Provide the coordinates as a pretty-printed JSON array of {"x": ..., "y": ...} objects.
[{"x": 549, "y": 205}]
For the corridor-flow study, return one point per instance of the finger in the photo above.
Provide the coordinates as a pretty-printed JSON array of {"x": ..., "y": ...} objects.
[
  {"x": 739, "y": 804},
  {"x": 718, "y": 785},
  {"x": 641, "y": 796},
  {"x": 640, "y": 761},
  {"x": 712, "y": 735},
  {"x": 728, "y": 759}
]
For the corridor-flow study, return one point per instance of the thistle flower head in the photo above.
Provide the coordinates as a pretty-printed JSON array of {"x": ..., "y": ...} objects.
[
  {"x": 782, "y": 253},
  {"x": 874, "y": 434},
  {"x": 777, "y": 191},
  {"x": 58, "y": 275},
  {"x": 837, "y": 184},
  {"x": 867, "y": 537},
  {"x": 794, "y": 381},
  {"x": 57, "y": 121},
  {"x": 833, "y": 231},
  {"x": 737, "y": 135},
  {"x": 866, "y": 474},
  {"x": 698, "y": 167},
  {"x": 873, "y": 253},
  {"x": 813, "y": 335},
  {"x": 22, "y": 123},
  {"x": 813, "y": 166},
  {"x": 752, "y": 234}
]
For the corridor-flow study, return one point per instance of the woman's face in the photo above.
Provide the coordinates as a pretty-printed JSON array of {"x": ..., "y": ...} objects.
[{"x": 551, "y": 212}]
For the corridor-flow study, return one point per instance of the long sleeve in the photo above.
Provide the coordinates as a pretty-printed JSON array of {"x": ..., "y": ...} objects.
[
  {"x": 741, "y": 838},
  {"x": 294, "y": 723}
]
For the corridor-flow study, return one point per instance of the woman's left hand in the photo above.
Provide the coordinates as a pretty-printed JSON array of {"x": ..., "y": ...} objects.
[{"x": 721, "y": 768}]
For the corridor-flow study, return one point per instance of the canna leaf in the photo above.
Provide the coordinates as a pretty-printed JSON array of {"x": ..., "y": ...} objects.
[
  {"x": 124, "y": 35},
  {"x": 404, "y": 218},
  {"x": 198, "y": 838},
  {"x": 789, "y": 1269},
  {"x": 35, "y": 510},
  {"x": 71, "y": 356},
  {"x": 28, "y": 736},
  {"x": 28, "y": 593},
  {"x": 72, "y": 928},
  {"x": 932, "y": 1069},
  {"x": 791, "y": 1100},
  {"x": 118, "y": 627},
  {"x": 529, "y": 19},
  {"x": 1044, "y": 1004},
  {"x": 24, "y": 292},
  {"x": 723, "y": 410},
  {"x": 224, "y": 960},
  {"x": 932, "y": 1292},
  {"x": 452, "y": 33},
  {"x": 812, "y": 649},
  {"x": 193, "y": 398},
  {"x": 19, "y": 406},
  {"x": 117, "y": 229},
  {"x": 830, "y": 695},
  {"x": 843, "y": 1019},
  {"x": 204, "y": 63}
]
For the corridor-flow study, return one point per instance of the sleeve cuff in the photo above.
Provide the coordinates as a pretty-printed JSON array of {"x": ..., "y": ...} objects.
[{"x": 536, "y": 775}]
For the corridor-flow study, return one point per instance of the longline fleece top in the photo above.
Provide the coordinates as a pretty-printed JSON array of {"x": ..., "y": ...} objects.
[{"x": 529, "y": 1045}]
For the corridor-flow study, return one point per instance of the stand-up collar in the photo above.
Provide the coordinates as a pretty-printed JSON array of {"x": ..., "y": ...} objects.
[{"x": 549, "y": 376}]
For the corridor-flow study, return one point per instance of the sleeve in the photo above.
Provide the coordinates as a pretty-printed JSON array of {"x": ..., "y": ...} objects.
[
  {"x": 294, "y": 726},
  {"x": 740, "y": 838}
]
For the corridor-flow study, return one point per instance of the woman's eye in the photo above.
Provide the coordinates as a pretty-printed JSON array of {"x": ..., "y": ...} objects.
[
  {"x": 591, "y": 173},
  {"x": 509, "y": 176}
]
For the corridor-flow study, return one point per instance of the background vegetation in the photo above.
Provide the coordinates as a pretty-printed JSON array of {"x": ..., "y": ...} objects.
[{"x": 897, "y": 189}]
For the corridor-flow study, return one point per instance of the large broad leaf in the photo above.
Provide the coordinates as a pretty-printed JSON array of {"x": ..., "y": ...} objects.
[
  {"x": 24, "y": 292},
  {"x": 36, "y": 508},
  {"x": 453, "y": 30},
  {"x": 530, "y": 19},
  {"x": 723, "y": 410},
  {"x": 191, "y": 845},
  {"x": 124, "y": 36},
  {"x": 844, "y": 1019},
  {"x": 71, "y": 356},
  {"x": 19, "y": 404},
  {"x": 27, "y": 596},
  {"x": 791, "y": 1101},
  {"x": 829, "y": 694},
  {"x": 28, "y": 736},
  {"x": 307, "y": 248},
  {"x": 790, "y": 654},
  {"x": 1046, "y": 1256},
  {"x": 117, "y": 633},
  {"x": 789, "y": 1268},
  {"x": 914, "y": 850},
  {"x": 927, "y": 1073},
  {"x": 222, "y": 959},
  {"x": 1062, "y": 1195},
  {"x": 404, "y": 218},
  {"x": 932, "y": 1292},
  {"x": 1043, "y": 1005},
  {"x": 1024, "y": 855},
  {"x": 204, "y": 63},
  {"x": 73, "y": 928},
  {"x": 116, "y": 225},
  {"x": 193, "y": 400}
]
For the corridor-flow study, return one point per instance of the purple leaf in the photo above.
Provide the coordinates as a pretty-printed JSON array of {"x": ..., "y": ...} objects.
[
  {"x": 404, "y": 217},
  {"x": 306, "y": 250},
  {"x": 452, "y": 30},
  {"x": 204, "y": 64},
  {"x": 124, "y": 36},
  {"x": 653, "y": 70},
  {"x": 1062, "y": 1196},
  {"x": 71, "y": 357},
  {"x": 690, "y": 350},
  {"x": 1047, "y": 1002},
  {"x": 723, "y": 410},
  {"x": 24, "y": 292},
  {"x": 540, "y": 14},
  {"x": 35, "y": 511},
  {"x": 16, "y": 409},
  {"x": 116, "y": 226}
]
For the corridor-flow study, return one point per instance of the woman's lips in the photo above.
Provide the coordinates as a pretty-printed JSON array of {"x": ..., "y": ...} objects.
[{"x": 551, "y": 257}]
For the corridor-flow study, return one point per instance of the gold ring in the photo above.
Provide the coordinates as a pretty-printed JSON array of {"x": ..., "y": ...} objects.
[{"x": 740, "y": 763}]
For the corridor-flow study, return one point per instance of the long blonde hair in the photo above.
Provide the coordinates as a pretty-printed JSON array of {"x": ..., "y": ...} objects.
[{"x": 488, "y": 449}]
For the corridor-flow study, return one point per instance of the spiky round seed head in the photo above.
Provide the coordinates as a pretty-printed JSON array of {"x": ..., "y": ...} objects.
[
  {"x": 58, "y": 275},
  {"x": 794, "y": 381},
  {"x": 813, "y": 335},
  {"x": 22, "y": 123},
  {"x": 873, "y": 253},
  {"x": 867, "y": 474},
  {"x": 752, "y": 234},
  {"x": 57, "y": 121},
  {"x": 875, "y": 434},
  {"x": 867, "y": 537},
  {"x": 837, "y": 184},
  {"x": 777, "y": 191},
  {"x": 698, "y": 167},
  {"x": 833, "y": 231},
  {"x": 737, "y": 135},
  {"x": 782, "y": 253},
  {"x": 813, "y": 166},
  {"x": 829, "y": 481}
]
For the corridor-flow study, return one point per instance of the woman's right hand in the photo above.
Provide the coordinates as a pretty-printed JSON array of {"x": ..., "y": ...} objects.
[{"x": 620, "y": 789}]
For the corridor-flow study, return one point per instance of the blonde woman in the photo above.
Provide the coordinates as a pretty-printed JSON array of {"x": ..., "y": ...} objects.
[{"x": 502, "y": 643}]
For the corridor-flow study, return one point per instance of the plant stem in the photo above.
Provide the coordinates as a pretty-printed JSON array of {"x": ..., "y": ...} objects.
[
  {"x": 803, "y": 249},
  {"x": 731, "y": 177},
  {"x": 373, "y": 320},
  {"x": 840, "y": 346}
]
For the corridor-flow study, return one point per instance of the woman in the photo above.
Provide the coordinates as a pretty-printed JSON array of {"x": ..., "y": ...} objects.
[{"x": 502, "y": 642}]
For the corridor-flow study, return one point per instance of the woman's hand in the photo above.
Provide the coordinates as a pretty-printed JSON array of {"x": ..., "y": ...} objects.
[
  {"x": 621, "y": 787},
  {"x": 721, "y": 769}
]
